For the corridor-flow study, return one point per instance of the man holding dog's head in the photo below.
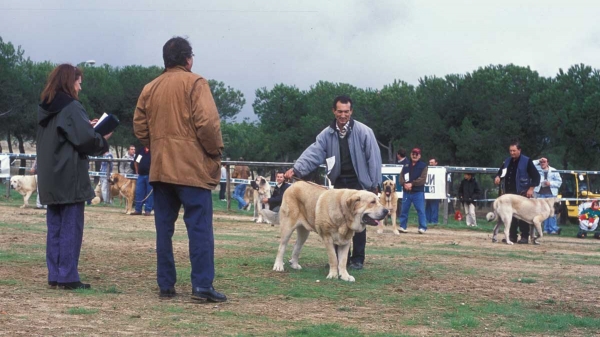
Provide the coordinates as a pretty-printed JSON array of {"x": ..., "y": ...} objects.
[
  {"x": 520, "y": 177},
  {"x": 176, "y": 117},
  {"x": 353, "y": 161}
]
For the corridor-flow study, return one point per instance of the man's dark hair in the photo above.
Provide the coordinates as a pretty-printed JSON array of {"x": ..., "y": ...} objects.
[
  {"x": 515, "y": 142},
  {"x": 401, "y": 152},
  {"x": 176, "y": 52},
  {"x": 342, "y": 99},
  {"x": 279, "y": 172}
]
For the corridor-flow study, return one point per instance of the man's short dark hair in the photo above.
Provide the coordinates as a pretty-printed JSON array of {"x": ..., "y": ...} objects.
[
  {"x": 279, "y": 172},
  {"x": 176, "y": 52},
  {"x": 342, "y": 99},
  {"x": 401, "y": 152},
  {"x": 515, "y": 142}
]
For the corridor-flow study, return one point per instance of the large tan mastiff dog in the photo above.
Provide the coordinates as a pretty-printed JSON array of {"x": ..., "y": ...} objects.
[
  {"x": 532, "y": 211},
  {"x": 334, "y": 214},
  {"x": 389, "y": 200},
  {"x": 25, "y": 185}
]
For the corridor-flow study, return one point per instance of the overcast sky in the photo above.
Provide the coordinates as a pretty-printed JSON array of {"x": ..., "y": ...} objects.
[{"x": 251, "y": 44}]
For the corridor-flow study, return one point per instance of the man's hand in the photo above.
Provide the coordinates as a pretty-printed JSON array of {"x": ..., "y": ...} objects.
[
  {"x": 289, "y": 174},
  {"x": 408, "y": 186},
  {"x": 265, "y": 200},
  {"x": 497, "y": 181},
  {"x": 107, "y": 136},
  {"x": 94, "y": 121},
  {"x": 547, "y": 183},
  {"x": 529, "y": 192}
]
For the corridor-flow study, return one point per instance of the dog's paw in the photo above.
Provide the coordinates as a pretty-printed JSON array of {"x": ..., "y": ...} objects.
[
  {"x": 348, "y": 278},
  {"x": 494, "y": 240},
  {"x": 380, "y": 231},
  {"x": 396, "y": 231},
  {"x": 508, "y": 242},
  {"x": 23, "y": 206},
  {"x": 332, "y": 275},
  {"x": 278, "y": 266},
  {"x": 295, "y": 265}
]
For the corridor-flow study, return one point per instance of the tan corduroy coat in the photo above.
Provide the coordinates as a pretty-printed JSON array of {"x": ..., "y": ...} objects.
[{"x": 176, "y": 117}]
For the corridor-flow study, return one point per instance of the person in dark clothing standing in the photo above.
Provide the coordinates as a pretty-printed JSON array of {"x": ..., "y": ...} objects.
[
  {"x": 468, "y": 192},
  {"x": 412, "y": 178},
  {"x": 520, "y": 177},
  {"x": 65, "y": 139},
  {"x": 143, "y": 195},
  {"x": 277, "y": 196}
]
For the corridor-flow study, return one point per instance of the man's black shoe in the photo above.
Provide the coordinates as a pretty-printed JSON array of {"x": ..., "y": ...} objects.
[
  {"x": 523, "y": 241},
  {"x": 356, "y": 265},
  {"x": 52, "y": 284},
  {"x": 558, "y": 232},
  {"x": 167, "y": 293},
  {"x": 74, "y": 285},
  {"x": 209, "y": 294}
]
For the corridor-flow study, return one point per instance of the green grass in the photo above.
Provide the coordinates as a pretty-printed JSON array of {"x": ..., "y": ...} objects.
[{"x": 81, "y": 311}]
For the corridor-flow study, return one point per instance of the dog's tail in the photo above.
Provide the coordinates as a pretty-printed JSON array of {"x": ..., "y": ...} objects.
[{"x": 270, "y": 216}]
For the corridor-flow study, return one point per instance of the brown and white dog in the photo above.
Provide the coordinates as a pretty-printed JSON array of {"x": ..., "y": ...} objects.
[
  {"x": 119, "y": 187},
  {"x": 125, "y": 188},
  {"x": 262, "y": 190},
  {"x": 334, "y": 214},
  {"x": 389, "y": 200},
  {"x": 25, "y": 185}
]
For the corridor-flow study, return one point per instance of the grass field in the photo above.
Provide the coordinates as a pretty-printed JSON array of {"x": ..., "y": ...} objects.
[{"x": 451, "y": 281}]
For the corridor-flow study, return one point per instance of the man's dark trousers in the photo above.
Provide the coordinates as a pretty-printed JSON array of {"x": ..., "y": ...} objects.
[
  {"x": 359, "y": 240},
  {"x": 198, "y": 213}
]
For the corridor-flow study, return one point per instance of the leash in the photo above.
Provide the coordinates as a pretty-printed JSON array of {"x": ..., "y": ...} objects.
[
  {"x": 310, "y": 182},
  {"x": 152, "y": 190}
]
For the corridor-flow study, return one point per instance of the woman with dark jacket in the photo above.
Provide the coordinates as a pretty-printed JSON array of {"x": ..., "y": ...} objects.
[
  {"x": 468, "y": 192},
  {"x": 65, "y": 139}
]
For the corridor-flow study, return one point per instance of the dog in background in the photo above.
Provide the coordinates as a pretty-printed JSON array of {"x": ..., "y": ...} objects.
[
  {"x": 25, "y": 185},
  {"x": 389, "y": 200},
  {"x": 125, "y": 188},
  {"x": 262, "y": 190},
  {"x": 334, "y": 214},
  {"x": 532, "y": 211}
]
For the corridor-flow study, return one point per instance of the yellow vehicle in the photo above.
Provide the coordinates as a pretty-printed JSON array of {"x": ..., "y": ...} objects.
[{"x": 578, "y": 186}]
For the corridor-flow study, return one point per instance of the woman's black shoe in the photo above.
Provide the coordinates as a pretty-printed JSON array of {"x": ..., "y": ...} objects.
[
  {"x": 74, "y": 285},
  {"x": 167, "y": 293},
  {"x": 52, "y": 284}
]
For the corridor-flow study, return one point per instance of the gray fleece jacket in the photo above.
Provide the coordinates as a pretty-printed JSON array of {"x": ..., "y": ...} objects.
[{"x": 364, "y": 151}]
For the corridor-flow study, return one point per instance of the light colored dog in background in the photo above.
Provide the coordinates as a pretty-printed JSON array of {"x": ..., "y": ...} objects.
[
  {"x": 334, "y": 214},
  {"x": 262, "y": 190},
  {"x": 389, "y": 200},
  {"x": 125, "y": 188},
  {"x": 532, "y": 211},
  {"x": 25, "y": 185}
]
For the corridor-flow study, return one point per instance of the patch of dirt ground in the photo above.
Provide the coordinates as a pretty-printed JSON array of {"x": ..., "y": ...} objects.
[{"x": 118, "y": 259}]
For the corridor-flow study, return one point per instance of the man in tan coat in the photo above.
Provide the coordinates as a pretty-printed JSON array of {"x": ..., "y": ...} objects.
[{"x": 177, "y": 119}]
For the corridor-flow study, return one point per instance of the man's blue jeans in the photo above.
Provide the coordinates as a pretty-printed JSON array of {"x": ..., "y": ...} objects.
[
  {"x": 142, "y": 189},
  {"x": 418, "y": 199},
  {"x": 197, "y": 215},
  {"x": 432, "y": 207},
  {"x": 238, "y": 194},
  {"x": 549, "y": 224}
]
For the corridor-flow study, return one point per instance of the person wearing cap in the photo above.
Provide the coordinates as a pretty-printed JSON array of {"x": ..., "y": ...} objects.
[
  {"x": 520, "y": 177},
  {"x": 548, "y": 188},
  {"x": 412, "y": 178},
  {"x": 351, "y": 152}
]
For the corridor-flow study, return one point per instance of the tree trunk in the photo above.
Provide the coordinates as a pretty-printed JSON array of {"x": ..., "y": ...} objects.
[
  {"x": 9, "y": 141},
  {"x": 21, "y": 151},
  {"x": 565, "y": 161}
]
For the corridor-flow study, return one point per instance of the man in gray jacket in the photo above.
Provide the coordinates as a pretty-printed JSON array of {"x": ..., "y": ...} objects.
[{"x": 350, "y": 150}]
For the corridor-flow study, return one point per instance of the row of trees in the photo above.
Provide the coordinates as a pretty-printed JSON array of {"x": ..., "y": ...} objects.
[{"x": 465, "y": 120}]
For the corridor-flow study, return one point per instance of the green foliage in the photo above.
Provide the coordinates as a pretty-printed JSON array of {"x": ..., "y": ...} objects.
[{"x": 81, "y": 311}]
